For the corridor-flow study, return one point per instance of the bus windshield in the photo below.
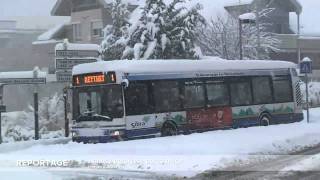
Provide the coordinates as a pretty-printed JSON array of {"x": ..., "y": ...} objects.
[{"x": 98, "y": 103}]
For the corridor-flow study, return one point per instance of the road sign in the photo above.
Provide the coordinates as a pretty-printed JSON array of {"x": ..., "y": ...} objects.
[
  {"x": 306, "y": 67},
  {"x": 67, "y": 64},
  {"x": 22, "y": 80},
  {"x": 64, "y": 76},
  {"x": 3, "y": 108},
  {"x": 77, "y": 53}
]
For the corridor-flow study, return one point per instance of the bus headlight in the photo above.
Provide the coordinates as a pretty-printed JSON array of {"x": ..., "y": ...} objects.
[
  {"x": 116, "y": 133},
  {"x": 74, "y": 133}
]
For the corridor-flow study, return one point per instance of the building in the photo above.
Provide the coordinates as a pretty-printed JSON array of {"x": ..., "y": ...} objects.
[
  {"x": 285, "y": 21},
  {"x": 89, "y": 17},
  {"x": 16, "y": 46}
]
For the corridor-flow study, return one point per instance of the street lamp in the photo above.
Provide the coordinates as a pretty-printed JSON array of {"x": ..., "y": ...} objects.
[{"x": 247, "y": 18}]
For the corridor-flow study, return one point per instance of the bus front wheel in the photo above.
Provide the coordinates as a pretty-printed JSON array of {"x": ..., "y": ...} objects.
[
  {"x": 169, "y": 129},
  {"x": 265, "y": 121}
]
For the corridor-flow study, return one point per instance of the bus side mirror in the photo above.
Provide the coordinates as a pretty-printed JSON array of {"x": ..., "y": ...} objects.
[{"x": 125, "y": 83}]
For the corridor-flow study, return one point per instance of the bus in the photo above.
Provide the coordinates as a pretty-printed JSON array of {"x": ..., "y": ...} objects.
[{"x": 123, "y": 100}]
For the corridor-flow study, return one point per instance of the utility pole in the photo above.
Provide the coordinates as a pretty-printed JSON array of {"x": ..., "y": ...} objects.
[
  {"x": 240, "y": 39},
  {"x": 258, "y": 28},
  {"x": 1, "y": 104}
]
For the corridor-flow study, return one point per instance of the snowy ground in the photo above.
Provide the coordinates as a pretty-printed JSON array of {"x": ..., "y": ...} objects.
[{"x": 170, "y": 156}]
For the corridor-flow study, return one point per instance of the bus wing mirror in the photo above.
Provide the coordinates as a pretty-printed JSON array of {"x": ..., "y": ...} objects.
[{"x": 125, "y": 83}]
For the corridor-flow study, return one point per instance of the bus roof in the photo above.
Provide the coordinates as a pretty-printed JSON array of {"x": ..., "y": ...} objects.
[{"x": 173, "y": 66}]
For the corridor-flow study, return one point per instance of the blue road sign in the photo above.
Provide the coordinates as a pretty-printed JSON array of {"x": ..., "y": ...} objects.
[{"x": 306, "y": 67}]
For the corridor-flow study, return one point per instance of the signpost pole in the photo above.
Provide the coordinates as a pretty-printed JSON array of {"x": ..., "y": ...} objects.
[
  {"x": 36, "y": 107},
  {"x": 306, "y": 68},
  {"x": 65, "y": 97},
  {"x": 307, "y": 96},
  {"x": 1, "y": 103}
]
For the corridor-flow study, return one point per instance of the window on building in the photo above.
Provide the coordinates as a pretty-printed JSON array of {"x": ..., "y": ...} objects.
[
  {"x": 77, "y": 32},
  {"x": 137, "y": 99},
  {"x": 96, "y": 29},
  {"x": 218, "y": 94},
  {"x": 241, "y": 94},
  {"x": 262, "y": 91},
  {"x": 194, "y": 96},
  {"x": 282, "y": 89},
  {"x": 167, "y": 96},
  {"x": 82, "y": 5}
]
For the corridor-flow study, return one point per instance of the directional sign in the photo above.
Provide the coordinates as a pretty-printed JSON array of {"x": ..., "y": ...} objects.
[
  {"x": 22, "y": 80},
  {"x": 306, "y": 67},
  {"x": 3, "y": 108},
  {"x": 77, "y": 53},
  {"x": 64, "y": 76},
  {"x": 67, "y": 64}
]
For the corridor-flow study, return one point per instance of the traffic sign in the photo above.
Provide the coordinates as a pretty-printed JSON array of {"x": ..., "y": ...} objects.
[
  {"x": 306, "y": 67},
  {"x": 22, "y": 80},
  {"x": 64, "y": 76},
  {"x": 77, "y": 53},
  {"x": 67, "y": 64}
]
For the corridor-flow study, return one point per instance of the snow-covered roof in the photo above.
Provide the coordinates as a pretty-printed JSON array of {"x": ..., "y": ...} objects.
[
  {"x": 245, "y": 16},
  {"x": 71, "y": 46},
  {"x": 174, "y": 66},
  {"x": 21, "y": 74},
  {"x": 51, "y": 33}
]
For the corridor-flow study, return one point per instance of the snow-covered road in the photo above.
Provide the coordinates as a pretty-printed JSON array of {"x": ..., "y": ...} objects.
[{"x": 179, "y": 156}]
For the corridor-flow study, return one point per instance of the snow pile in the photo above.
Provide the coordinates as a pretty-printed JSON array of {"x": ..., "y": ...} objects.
[
  {"x": 19, "y": 126},
  {"x": 183, "y": 154},
  {"x": 314, "y": 93}
]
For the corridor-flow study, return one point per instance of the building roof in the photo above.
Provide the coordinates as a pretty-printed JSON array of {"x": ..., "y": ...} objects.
[{"x": 63, "y": 7}]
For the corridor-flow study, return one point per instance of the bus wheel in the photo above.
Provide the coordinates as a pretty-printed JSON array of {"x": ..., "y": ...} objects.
[
  {"x": 169, "y": 129},
  {"x": 265, "y": 121}
]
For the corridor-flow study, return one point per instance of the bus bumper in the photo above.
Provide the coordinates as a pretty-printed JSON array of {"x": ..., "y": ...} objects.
[{"x": 117, "y": 135}]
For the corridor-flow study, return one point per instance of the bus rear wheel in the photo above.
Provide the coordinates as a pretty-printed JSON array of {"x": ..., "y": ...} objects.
[
  {"x": 265, "y": 121},
  {"x": 169, "y": 129}
]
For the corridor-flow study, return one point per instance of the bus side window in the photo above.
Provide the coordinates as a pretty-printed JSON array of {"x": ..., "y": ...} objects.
[
  {"x": 262, "y": 90},
  {"x": 241, "y": 94},
  {"x": 137, "y": 99},
  {"x": 166, "y": 96},
  {"x": 194, "y": 95},
  {"x": 282, "y": 89},
  {"x": 218, "y": 94}
]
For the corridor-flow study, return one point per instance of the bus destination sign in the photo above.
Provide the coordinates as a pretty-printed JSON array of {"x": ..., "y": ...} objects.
[{"x": 94, "y": 79}]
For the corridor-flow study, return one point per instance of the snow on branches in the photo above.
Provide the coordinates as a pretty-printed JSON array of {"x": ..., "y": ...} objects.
[
  {"x": 220, "y": 38},
  {"x": 115, "y": 35},
  {"x": 164, "y": 31}
]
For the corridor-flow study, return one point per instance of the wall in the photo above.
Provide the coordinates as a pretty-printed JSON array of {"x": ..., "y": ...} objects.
[{"x": 85, "y": 18}]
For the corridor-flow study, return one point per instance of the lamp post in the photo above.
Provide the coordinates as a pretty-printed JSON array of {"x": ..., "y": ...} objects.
[{"x": 247, "y": 18}]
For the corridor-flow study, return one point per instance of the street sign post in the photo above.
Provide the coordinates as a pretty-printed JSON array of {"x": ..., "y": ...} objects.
[
  {"x": 69, "y": 55},
  {"x": 306, "y": 68},
  {"x": 35, "y": 77},
  {"x": 68, "y": 63}
]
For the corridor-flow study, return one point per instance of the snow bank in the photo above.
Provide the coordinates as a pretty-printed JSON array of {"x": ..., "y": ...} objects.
[
  {"x": 314, "y": 93},
  {"x": 184, "y": 155}
]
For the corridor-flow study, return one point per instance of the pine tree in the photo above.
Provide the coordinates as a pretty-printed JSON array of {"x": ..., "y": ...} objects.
[
  {"x": 115, "y": 35},
  {"x": 164, "y": 32}
]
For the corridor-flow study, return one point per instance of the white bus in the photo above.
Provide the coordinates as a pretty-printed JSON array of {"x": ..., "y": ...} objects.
[{"x": 122, "y": 100}]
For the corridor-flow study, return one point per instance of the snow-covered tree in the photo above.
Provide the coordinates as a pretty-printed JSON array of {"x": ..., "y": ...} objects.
[
  {"x": 115, "y": 35},
  {"x": 220, "y": 38},
  {"x": 164, "y": 32}
]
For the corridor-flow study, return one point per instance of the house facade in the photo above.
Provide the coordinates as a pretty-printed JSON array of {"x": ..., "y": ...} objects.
[
  {"x": 294, "y": 46},
  {"x": 87, "y": 20}
]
